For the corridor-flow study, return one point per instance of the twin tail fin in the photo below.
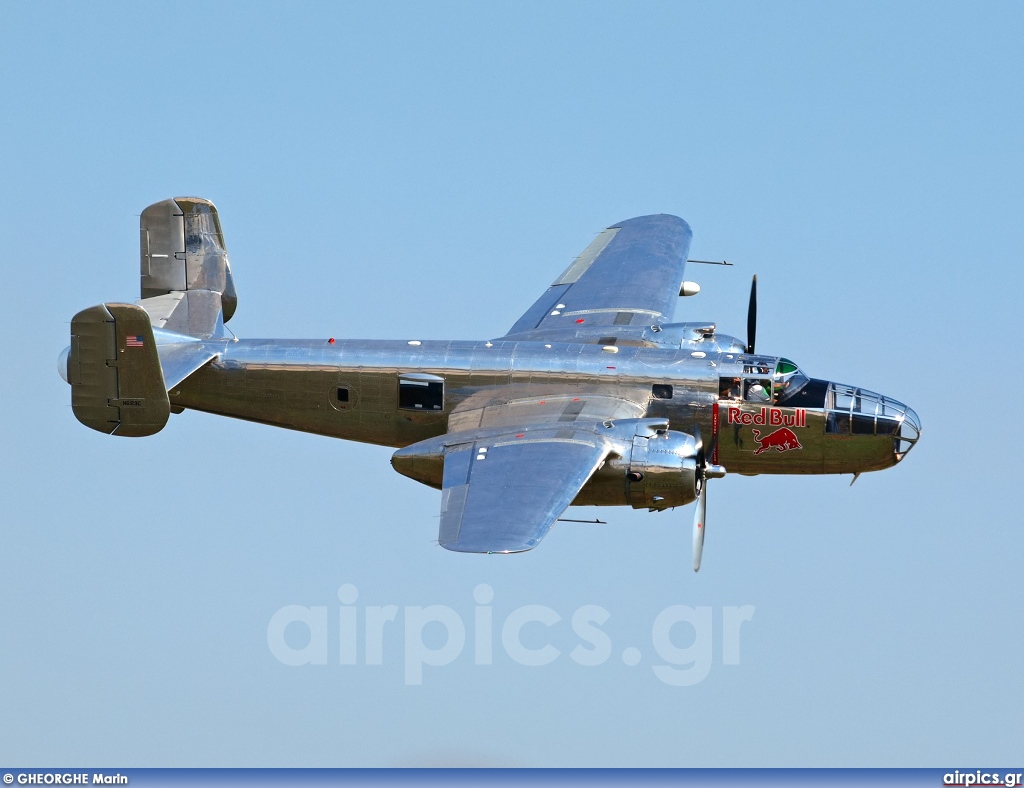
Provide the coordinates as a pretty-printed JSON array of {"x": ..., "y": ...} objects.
[{"x": 124, "y": 358}]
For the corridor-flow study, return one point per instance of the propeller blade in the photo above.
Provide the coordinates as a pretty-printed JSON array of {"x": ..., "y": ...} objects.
[
  {"x": 705, "y": 471},
  {"x": 752, "y": 316},
  {"x": 698, "y": 527}
]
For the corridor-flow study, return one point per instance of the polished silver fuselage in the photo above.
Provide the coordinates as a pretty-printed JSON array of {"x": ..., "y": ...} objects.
[{"x": 294, "y": 384}]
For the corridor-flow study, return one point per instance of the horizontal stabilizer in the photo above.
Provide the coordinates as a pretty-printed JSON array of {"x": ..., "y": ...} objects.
[
  {"x": 196, "y": 313},
  {"x": 117, "y": 383},
  {"x": 180, "y": 360}
]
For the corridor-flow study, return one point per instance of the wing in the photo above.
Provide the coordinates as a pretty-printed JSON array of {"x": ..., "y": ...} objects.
[
  {"x": 508, "y": 469},
  {"x": 502, "y": 493},
  {"x": 630, "y": 274}
]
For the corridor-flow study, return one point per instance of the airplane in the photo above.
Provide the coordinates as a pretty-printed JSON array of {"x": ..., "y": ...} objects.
[{"x": 594, "y": 396}]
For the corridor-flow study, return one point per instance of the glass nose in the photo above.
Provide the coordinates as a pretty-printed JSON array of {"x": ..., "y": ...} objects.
[{"x": 858, "y": 411}]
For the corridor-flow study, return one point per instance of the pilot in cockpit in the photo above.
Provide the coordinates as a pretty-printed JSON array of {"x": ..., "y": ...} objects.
[{"x": 757, "y": 391}]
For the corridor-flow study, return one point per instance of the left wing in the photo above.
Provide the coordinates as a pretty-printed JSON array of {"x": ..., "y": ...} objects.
[
  {"x": 508, "y": 469},
  {"x": 502, "y": 494},
  {"x": 630, "y": 275}
]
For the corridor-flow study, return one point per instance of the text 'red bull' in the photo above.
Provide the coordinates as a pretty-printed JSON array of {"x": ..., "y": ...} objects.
[{"x": 771, "y": 417}]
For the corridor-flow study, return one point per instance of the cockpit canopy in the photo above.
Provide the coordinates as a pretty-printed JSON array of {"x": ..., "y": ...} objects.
[
  {"x": 787, "y": 380},
  {"x": 761, "y": 382}
]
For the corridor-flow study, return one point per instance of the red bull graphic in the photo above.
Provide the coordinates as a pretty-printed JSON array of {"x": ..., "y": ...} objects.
[
  {"x": 769, "y": 417},
  {"x": 783, "y": 439}
]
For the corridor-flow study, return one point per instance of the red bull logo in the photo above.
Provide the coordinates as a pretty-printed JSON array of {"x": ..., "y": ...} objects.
[
  {"x": 783, "y": 439},
  {"x": 769, "y": 417}
]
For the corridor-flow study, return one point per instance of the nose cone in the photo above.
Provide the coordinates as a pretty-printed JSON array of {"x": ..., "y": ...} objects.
[{"x": 909, "y": 432}]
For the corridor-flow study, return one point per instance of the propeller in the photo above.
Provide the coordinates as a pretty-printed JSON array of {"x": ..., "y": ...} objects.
[
  {"x": 704, "y": 472},
  {"x": 752, "y": 317}
]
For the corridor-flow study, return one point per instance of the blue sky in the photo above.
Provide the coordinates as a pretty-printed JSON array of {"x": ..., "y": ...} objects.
[{"x": 396, "y": 170}]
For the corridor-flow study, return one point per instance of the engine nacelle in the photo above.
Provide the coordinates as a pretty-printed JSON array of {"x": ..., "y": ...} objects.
[
  {"x": 657, "y": 471},
  {"x": 693, "y": 336},
  {"x": 649, "y": 466},
  {"x": 662, "y": 471}
]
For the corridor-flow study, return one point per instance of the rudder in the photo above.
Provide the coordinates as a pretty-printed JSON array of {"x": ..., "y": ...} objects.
[
  {"x": 117, "y": 384},
  {"x": 185, "y": 274}
]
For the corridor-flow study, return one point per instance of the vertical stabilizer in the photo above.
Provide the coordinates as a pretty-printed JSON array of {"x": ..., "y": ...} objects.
[
  {"x": 117, "y": 384},
  {"x": 185, "y": 272}
]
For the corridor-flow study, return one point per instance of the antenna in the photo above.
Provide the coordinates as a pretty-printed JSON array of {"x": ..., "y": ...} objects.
[{"x": 710, "y": 262}]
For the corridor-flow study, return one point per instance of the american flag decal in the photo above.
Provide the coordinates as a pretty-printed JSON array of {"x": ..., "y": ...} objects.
[{"x": 132, "y": 341}]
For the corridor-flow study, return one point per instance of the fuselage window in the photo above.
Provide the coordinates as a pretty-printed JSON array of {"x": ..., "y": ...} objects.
[
  {"x": 729, "y": 388},
  {"x": 661, "y": 391},
  {"x": 838, "y": 423},
  {"x": 846, "y": 398},
  {"x": 757, "y": 390},
  {"x": 863, "y": 425},
  {"x": 342, "y": 394},
  {"x": 420, "y": 392},
  {"x": 854, "y": 411},
  {"x": 886, "y": 426}
]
